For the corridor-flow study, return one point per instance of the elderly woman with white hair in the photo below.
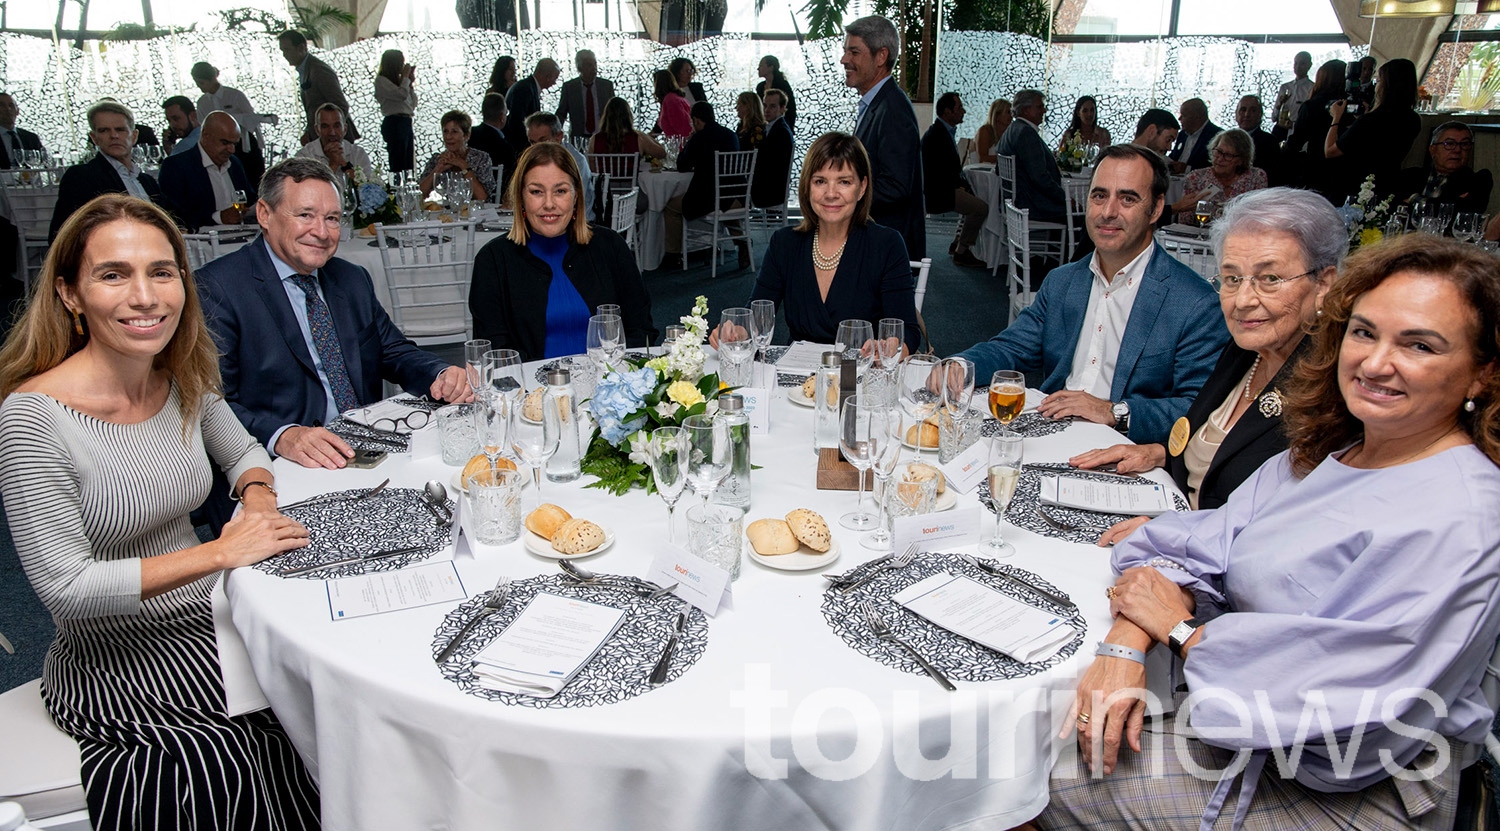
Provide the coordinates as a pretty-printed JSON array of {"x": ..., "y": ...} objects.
[
  {"x": 1278, "y": 252},
  {"x": 1230, "y": 173}
]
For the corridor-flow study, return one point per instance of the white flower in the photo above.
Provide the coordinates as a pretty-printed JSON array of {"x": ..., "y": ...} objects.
[
  {"x": 666, "y": 410},
  {"x": 638, "y": 452}
]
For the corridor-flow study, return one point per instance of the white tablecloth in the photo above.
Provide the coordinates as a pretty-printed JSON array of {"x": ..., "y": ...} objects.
[
  {"x": 990, "y": 246},
  {"x": 394, "y": 745},
  {"x": 651, "y": 234}
]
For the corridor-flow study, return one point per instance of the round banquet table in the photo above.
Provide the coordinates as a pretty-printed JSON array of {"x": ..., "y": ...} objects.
[
  {"x": 657, "y": 186},
  {"x": 778, "y": 725}
]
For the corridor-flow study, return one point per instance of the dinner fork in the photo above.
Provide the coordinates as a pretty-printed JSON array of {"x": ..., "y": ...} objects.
[
  {"x": 323, "y": 497},
  {"x": 890, "y": 565},
  {"x": 883, "y": 631},
  {"x": 492, "y": 604}
]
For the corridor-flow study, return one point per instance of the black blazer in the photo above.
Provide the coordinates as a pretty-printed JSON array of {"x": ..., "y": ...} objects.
[
  {"x": 522, "y": 99},
  {"x": 29, "y": 141},
  {"x": 1267, "y": 155},
  {"x": 697, "y": 90},
  {"x": 95, "y": 177},
  {"x": 891, "y": 136},
  {"x": 508, "y": 296},
  {"x": 492, "y": 141},
  {"x": 942, "y": 173},
  {"x": 1199, "y": 157},
  {"x": 184, "y": 182},
  {"x": 772, "y": 165},
  {"x": 1252, "y": 440},
  {"x": 570, "y": 107},
  {"x": 873, "y": 281},
  {"x": 697, "y": 157},
  {"x": 780, "y": 82},
  {"x": 1468, "y": 189},
  {"x": 269, "y": 379}
]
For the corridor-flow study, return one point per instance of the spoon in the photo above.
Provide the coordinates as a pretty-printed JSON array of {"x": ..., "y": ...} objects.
[{"x": 436, "y": 499}]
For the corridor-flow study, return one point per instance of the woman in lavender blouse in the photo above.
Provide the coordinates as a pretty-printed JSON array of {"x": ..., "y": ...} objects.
[{"x": 1346, "y": 599}]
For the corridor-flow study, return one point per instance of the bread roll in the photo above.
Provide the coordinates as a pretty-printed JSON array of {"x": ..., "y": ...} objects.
[
  {"x": 810, "y": 529},
  {"x": 928, "y": 435},
  {"x": 482, "y": 462},
  {"x": 771, "y": 537},
  {"x": 810, "y": 389},
  {"x": 578, "y": 536},
  {"x": 532, "y": 409},
  {"x": 546, "y": 520},
  {"x": 922, "y": 472}
]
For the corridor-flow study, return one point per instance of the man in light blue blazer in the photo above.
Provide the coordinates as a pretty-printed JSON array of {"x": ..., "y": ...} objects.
[{"x": 1130, "y": 350}]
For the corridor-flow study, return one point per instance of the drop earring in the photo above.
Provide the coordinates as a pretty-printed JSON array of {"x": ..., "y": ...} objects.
[{"x": 78, "y": 324}]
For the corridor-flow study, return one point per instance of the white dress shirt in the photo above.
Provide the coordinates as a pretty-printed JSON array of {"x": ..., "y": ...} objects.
[
  {"x": 1110, "y": 302},
  {"x": 223, "y": 185},
  {"x": 353, "y": 154},
  {"x": 1190, "y": 141},
  {"x": 128, "y": 175},
  {"x": 234, "y": 102}
]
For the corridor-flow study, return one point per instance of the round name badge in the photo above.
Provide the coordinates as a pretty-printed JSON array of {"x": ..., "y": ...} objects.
[{"x": 1177, "y": 441}]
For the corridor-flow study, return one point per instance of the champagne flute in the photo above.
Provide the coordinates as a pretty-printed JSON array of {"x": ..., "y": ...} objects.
[
  {"x": 667, "y": 451},
  {"x": 736, "y": 345},
  {"x": 892, "y": 334},
  {"x": 860, "y": 440},
  {"x": 1007, "y": 395},
  {"x": 708, "y": 453},
  {"x": 1004, "y": 474},
  {"x": 502, "y": 372},
  {"x": 605, "y": 340},
  {"x": 915, "y": 398},
  {"x": 534, "y": 442},
  {"x": 491, "y": 423},
  {"x": 474, "y": 363},
  {"x": 764, "y": 314},
  {"x": 885, "y": 432}
]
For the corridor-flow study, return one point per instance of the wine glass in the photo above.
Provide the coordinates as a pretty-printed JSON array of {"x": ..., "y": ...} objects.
[
  {"x": 1468, "y": 226},
  {"x": 1204, "y": 211},
  {"x": 502, "y": 372},
  {"x": 605, "y": 340},
  {"x": 474, "y": 363},
  {"x": 237, "y": 200},
  {"x": 915, "y": 398},
  {"x": 534, "y": 442},
  {"x": 860, "y": 439},
  {"x": 667, "y": 450},
  {"x": 885, "y": 430},
  {"x": 491, "y": 423},
  {"x": 708, "y": 453},
  {"x": 736, "y": 345},
  {"x": 1007, "y": 395},
  {"x": 958, "y": 384},
  {"x": 887, "y": 349},
  {"x": 854, "y": 334},
  {"x": 1004, "y": 474},
  {"x": 137, "y": 157},
  {"x": 607, "y": 309},
  {"x": 764, "y": 314}
]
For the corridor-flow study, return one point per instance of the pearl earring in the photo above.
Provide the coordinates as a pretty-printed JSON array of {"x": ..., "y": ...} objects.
[{"x": 1469, "y": 405}]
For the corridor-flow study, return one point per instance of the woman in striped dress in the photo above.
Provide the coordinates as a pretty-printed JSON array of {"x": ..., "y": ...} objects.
[{"x": 112, "y": 414}]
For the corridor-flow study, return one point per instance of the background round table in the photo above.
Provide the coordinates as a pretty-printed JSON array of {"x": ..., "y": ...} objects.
[{"x": 657, "y": 186}]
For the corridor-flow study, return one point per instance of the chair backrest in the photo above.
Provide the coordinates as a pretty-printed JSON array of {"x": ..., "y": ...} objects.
[
  {"x": 428, "y": 269},
  {"x": 735, "y": 171},
  {"x": 921, "y": 267},
  {"x": 621, "y": 167},
  {"x": 32, "y": 195},
  {"x": 497, "y": 175},
  {"x": 1077, "y": 191},
  {"x": 1193, "y": 253},
  {"x": 1018, "y": 257},
  {"x": 1005, "y": 168},
  {"x": 622, "y": 220}
]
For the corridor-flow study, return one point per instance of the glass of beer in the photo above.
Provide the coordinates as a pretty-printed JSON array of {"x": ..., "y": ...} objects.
[{"x": 1007, "y": 395}]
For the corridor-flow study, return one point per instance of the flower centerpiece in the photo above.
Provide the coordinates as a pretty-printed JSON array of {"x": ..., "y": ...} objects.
[
  {"x": 629, "y": 403},
  {"x": 1366, "y": 218},
  {"x": 1070, "y": 156},
  {"x": 370, "y": 202}
]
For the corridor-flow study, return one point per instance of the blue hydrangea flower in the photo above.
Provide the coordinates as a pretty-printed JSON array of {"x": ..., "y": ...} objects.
[
  {"x": 620, "y": 394},
  {"x": 371, "y": 196}
]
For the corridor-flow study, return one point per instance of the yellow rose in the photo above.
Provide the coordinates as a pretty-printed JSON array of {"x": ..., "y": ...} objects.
[
  {"x": 684, "y": 394},
  {"x": 1370, "y": 236}
]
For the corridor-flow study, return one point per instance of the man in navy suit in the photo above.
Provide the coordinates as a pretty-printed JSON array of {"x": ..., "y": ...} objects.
[
  {"x": 1127, "y": 337},
  {"x": 698, "y": 158},
  {"x": 1191, "y": 150},
  {"x": 112, "y": 130},
  {"x": 886, "y": 125},
  {"x": 774, "y": 161},
  {"x": 943, "y": 178},
  {"x": 1038, "y": 181},
  {"x": 201, "y": 183},
  {"x": 301, "y": 334},
  {"x": 13, "y": 139}
]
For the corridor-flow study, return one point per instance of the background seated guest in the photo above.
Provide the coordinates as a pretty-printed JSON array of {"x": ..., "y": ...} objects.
[
  {"x": 331, "y": 148},
  {"x": 13, "y": 139},
  {"x": 1038, "y": 181},
  {"x": 535, "y": 289},
  {"x": 1156, "y": 130},
  {"x": 396, "y": 93},
  {"x": 544, "y": 127},
  {"x": 943, "y": 179},
  {"x": 987, "y": 137},
  {"x": 1361, "y": 567},
  {"x": 302, "y": 337},
  {"x": 488, "y": 137},
  {"x": 458, "y": 157},
  {"x": 697, "y": 157},
  {"x": 772, "y": 77},
  {"x": 1191, "y": 150},
  {"x": 112, "y": 428},
  {"x": 1230, "y": 175},
  {"x": 1085, "y": 124},
  {"x": 112, "y": 130},
  {"x": 1380, "y": 138},
  {"x": 1278, "y": 253},
  {"x": 683, "y": 72},
  {"x": 774, "y": 160},
  {"x": 837, "y": 265},
  {"x": 751, "y": 129},
  {"x": 1448, "y": 178},
  {"x": 1249, "y": 115},
  {"x": 675, "y": 116},
  {"x": 1130, "y": 350},
  {"x": 201, "y": 186},
  {"x": 617, "y": 133},
  {"x": 182, "y": 124}
]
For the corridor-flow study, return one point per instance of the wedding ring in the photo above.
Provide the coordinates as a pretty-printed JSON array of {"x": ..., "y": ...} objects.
[
  {"x": 1110, "y": 592},
  {"x": 1083, "y": 718}
]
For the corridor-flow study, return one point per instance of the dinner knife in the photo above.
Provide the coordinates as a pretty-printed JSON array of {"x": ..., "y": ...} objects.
[
  {"x": 659, "y": 674},
  {"x": 990, "y": 568},
  {"x": 395, "y": 552}
]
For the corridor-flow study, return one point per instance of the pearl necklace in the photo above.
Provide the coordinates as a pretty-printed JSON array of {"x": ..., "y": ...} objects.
[
  {"x": 1251, "y": 379},
  {"x": 823, "y": 263}
]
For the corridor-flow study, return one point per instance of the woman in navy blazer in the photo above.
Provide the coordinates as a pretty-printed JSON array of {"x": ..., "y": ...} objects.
[{"x": 837, "y": 265}]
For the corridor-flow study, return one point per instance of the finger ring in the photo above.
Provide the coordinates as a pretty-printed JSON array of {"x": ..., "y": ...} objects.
[
  {"x": 1083, "y": 718},
  {"x": 1110, "y": 592}
]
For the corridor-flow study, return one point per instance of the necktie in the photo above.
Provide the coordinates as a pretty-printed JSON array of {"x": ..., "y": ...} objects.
[
  {"x": 588, "y": 108},
  {"x": 326, "y": 341}
]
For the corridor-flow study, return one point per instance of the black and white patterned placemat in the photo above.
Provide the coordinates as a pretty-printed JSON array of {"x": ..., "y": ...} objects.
[
  {"x": 360, "y": 437},
  {"x": 1022, "y": 512},
  {"x": 342, "y": 528},
  {"x": 619, "y": 671},
  {"x": 1032, "y": 425},
  {"x": 634, "y": 355},
  {"x": 957, "y": 657}
]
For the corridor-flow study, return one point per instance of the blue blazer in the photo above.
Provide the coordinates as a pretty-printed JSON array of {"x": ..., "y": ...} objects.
[
  {"x": 269, "y": 379},
  {"x": 1171, "y": 343},
  {"x": 184, "y": 181}
]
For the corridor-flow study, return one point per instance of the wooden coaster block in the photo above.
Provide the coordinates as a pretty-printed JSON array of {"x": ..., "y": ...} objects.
[{"x": 835, "y": 474}]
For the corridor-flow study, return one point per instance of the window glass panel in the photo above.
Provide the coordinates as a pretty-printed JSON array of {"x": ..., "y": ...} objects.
[
  {"x": 1272, "y": 17},
  {"x": 1113, "y": 17}
]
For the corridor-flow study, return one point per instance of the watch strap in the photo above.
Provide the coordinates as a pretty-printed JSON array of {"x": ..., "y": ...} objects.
[{"x": 1178, "y": 641}]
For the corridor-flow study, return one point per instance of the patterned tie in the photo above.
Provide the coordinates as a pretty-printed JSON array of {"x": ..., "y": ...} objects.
[
  {"x": 588, "y": 108},
  {"x": 326, "y": 341}
]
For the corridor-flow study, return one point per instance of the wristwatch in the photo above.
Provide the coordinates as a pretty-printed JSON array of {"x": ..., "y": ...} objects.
[
  {"x": 1122, "y": 416},
  {"x": 1181, "y": 633}
]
